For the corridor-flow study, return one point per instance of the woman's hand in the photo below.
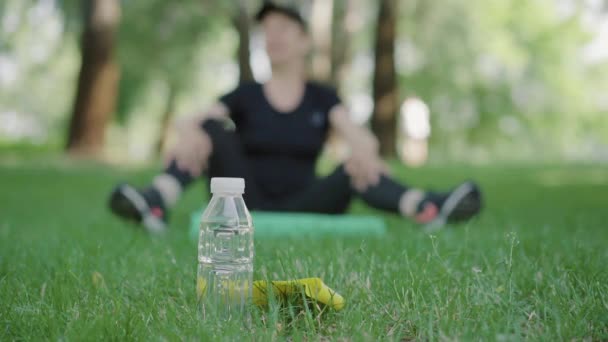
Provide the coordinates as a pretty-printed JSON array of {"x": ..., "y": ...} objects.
[
  {"x": 364, "y": 166},
  {"x": 193, "y": 147},
  {"x": 191, "y": 151}
]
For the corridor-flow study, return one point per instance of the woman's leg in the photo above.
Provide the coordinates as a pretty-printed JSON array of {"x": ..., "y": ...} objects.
[
  {"x": 328, "y": 195},
  {"x": 227, "y": 160},
  {"x": 152, "y": 203},
  {"x": 333, "y": 194}
]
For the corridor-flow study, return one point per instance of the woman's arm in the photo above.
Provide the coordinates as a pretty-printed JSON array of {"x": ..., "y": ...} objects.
[
  {"x": 364, "y": 164},
  {"x": 217, "y": 111},
  {"x": 193, "y": 146},
  {"x": 354, "y": 134}
]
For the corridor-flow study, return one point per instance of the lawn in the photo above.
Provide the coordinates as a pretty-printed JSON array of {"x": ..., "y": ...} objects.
[{"x": 532, "y": 267}]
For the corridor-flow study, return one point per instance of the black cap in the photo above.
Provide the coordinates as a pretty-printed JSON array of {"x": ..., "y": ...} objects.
[{"x": 269, "y": 7}]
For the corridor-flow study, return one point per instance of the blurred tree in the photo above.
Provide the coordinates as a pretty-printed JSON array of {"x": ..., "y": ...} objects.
[
  {"x": 98, "y": 78},
  {"x": 162, "y": 47},
  {"x": 499, "y": 72},
  {"x": 330, "y": 39},
  {"x": 341, "y": 36},
  {"x": 241, "y": 22},
  {"x": 321, "y": 35},
  {"x": 385, "y": 81},
  {"x": 165, "y": 122},
  {"x": 35, "y": 82},
  {"x": 192, "y": 21},
  {"x": 527, "y": 72}
]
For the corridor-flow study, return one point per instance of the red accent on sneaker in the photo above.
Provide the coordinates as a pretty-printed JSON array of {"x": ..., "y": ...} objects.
[
  {"x": 427, "y": 214},
  {"x": 157, "y": 211}
]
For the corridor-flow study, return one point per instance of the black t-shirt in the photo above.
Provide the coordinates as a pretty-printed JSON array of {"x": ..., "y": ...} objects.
[{"x": 282, "y": 148}]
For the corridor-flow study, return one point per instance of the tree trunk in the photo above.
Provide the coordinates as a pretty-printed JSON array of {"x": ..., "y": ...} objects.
[
  {"x": 321, "y": 34},
  {"x": 98, "y": 79},
  {"x": 241, "y": 24},
  {"x": 385, "y": 84},
  {"x": 166, "y": 119},
  {"x": 341, "y": 38}
]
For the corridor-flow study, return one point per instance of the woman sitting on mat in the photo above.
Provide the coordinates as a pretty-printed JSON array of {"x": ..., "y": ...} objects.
[{"x": 281, "y": 127}]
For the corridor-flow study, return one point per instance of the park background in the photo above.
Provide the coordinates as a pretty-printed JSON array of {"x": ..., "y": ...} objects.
[{"x": 517, "y": 96}]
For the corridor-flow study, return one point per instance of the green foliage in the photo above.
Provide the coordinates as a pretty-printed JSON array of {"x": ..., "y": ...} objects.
[
  {"x": 42, "y": 61},
  {"x": 495, "y": 73},
  {"x": 493, "y": 69},
  {"x": 531, "y": 268},
  {"x": 160, "y": 40}
]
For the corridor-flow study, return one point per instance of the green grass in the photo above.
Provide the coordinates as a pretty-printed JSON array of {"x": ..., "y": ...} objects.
[{"x": 533, "y": 266}]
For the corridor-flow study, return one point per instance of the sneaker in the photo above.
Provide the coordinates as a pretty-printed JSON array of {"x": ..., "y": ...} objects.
[
  {"x": 133, "y": 205},
  {"x": 458, "y": 205}
]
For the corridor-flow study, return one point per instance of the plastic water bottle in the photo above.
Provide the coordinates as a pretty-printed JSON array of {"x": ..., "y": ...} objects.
[{"x": 225, "y": 250}]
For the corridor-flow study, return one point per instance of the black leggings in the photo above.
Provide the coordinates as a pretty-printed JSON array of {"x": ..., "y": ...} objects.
[{"x": 330, "y": 195}]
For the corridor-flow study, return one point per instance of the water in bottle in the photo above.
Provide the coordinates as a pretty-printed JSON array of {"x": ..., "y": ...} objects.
[{"x": 225, "y": 251}]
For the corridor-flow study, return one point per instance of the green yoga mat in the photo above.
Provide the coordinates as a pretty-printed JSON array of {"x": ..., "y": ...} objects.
[{"x": 281, "y": 224}]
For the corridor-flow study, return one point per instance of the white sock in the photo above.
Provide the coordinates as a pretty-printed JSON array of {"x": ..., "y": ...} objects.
[
  {"x": 168, "y": 187},
  {"x": 408, "y": 204}
]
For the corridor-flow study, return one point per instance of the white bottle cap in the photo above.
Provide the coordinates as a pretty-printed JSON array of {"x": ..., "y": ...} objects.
[{"x": 230, "y": 185}]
